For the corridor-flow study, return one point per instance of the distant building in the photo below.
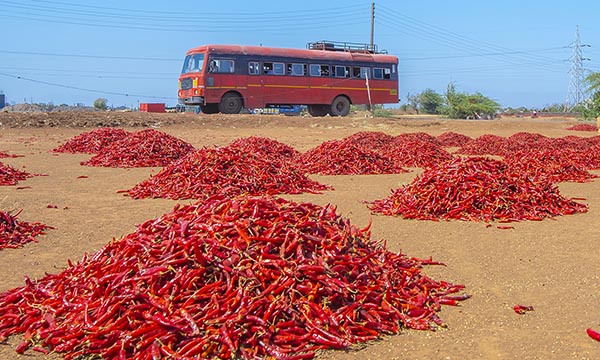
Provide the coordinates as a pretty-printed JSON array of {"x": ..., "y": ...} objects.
[{"x": 2, "y": 102}]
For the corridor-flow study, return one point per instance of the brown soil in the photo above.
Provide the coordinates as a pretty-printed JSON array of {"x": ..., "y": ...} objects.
[{"x": 553, "y": 265}]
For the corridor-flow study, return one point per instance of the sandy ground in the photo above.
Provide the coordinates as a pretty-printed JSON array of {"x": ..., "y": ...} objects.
[{"x": 552, "y": 265}]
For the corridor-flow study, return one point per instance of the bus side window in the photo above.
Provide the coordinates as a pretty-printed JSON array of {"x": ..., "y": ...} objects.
[
  {"x": 342, "y": 71},
  {"x": 279, "y": 68},
  {"x": 226, "y": 66},
  {"x": 297, "y": 69},
  {"x": 268, "y": 68},
  {"x": 253, "y": 68},
  {"x": 377, "y": 73},
  {"x": 365, "y": 72},
  {"x": 315, "y": 70},
  {"x": 325, "y": 70},
  {"x": 356, "y": 72},
  {"x": 387, "y": 73}
]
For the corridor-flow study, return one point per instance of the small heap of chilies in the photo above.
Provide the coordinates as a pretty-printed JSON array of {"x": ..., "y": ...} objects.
[
  {"x": 15, "y": 233},
  {"x": 92, "y": 141},
  {"x": 11, "y": 176},
  {"x": 145, "y": 148}
]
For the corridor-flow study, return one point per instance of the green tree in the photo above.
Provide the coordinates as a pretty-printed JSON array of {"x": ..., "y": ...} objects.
[
  {"x": 431, "y": 102},
  {"x": 463, "y": 106},
  {"x": 592, "y": 108},
  {"x": 593, "y": 82},
  {"x": 100, "y": 104}
]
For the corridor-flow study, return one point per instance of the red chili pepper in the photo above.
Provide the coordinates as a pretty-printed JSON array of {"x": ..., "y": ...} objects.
[
  {"x": 522, "y": 309},
  {"x": 593, "y": 334}
]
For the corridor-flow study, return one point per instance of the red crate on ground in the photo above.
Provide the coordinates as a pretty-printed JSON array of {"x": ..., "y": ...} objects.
[{"x": 152, "y": 107}]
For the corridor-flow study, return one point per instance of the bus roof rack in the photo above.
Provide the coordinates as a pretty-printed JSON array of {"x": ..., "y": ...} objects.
[{"x": 344, "y": 46}]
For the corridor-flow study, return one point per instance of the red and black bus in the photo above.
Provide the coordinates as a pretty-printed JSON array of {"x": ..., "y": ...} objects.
[{"x": 327, "y": 77}]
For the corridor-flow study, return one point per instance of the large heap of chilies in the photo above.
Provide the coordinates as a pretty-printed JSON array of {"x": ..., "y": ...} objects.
[
  {"x": 15, "y": 233},
  {"x": 477, "y": 189},
  {"x": 241, "y": 278}
]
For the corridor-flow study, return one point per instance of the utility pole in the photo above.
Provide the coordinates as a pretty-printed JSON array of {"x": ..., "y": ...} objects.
[
  {"x": 577, "y": 91},
  {"x": 372, "y": 45}
]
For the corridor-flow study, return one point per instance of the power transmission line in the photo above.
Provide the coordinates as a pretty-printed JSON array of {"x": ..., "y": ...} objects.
[
  {"x": 577, "y": 92},
  {"x": 84, "y": 89}
]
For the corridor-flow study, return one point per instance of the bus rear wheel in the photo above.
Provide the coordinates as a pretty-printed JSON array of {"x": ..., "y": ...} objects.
[
  {"x": 340, "y": 106},
  {"x": 231, "y": 103},
  {"x": 318, "y": 110}
]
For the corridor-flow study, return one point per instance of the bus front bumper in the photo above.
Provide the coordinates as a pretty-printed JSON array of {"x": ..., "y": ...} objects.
[{"x": 194, "y": 100}]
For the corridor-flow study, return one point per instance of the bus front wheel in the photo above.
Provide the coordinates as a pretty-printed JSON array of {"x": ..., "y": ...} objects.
[
  {"x": 231, "y": 103},
  {"x": 318, "y": 110},
  {"x": 340, "y": 106}
]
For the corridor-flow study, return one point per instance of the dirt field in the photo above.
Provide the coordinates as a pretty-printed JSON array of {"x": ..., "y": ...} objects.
[{"x": 553, "y": 265}]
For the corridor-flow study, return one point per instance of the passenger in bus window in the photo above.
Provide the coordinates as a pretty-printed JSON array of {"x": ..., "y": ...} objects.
[
  {"x": 268, "y": 68},
  {"x": 213, "y": 67}
]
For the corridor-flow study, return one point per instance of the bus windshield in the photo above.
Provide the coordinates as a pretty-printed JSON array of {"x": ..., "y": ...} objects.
[{"x": 193, "y": 63}]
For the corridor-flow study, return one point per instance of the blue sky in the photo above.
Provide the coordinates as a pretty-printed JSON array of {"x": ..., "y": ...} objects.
[{"x": 515, "y": 52}]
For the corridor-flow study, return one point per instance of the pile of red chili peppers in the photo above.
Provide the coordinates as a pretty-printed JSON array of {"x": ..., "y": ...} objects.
[
  {"x": 92, "y": 141},
  {"x": 452, "y": 139},
  {"x": 408, "y": 152},
  {"x": 476, "y": 189},
  {"x": 227, "y": 171},
  {"x": 555, "y": 165},
  {"x": 583, "y": 127},
  {"x": 487, "y": 144},
  {"x": 269, "y": 149},
  {"x": 370, "y": 140},
  {"x": 11, "y": 176},
  {"x": 241, "y": 278},
  {"x": 145, "y": 148},
  {"x": 343, "y": 157},
  {"x": 14, "y": 233}
]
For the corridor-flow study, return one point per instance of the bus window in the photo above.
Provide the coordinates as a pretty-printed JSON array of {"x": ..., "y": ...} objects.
[
  {"x": 365, "y": 72},
  {"x": 315, "y": 70},
  {"x": 278, "y": 68},
  {"x": 298, "y": 69},
  {"x": 268, "y": 68},
  {"x": 221, "y": 66},
  {"x": 377, "y": 73},
  {"x": 387, "y": 73},
  {"x": 193, "y": 63},
  {"x": 253, "y": 68},
  {"x": 360, "y": 72},
  {"x": 342, "y": 71},
  {"x": 324, "y": 70}
]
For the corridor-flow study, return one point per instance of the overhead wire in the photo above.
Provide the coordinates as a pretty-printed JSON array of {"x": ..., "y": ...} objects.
[
  {"x": 97, "y": 91},
  {"x": 412, "y": 27}
]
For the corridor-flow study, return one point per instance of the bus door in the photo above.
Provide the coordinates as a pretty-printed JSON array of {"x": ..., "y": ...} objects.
[{"x": 255, "y": 86}]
